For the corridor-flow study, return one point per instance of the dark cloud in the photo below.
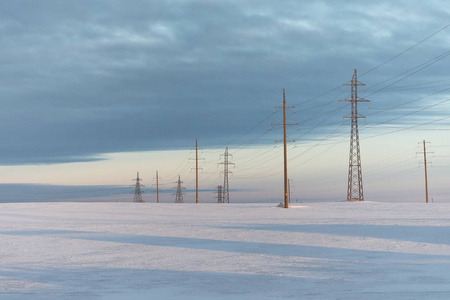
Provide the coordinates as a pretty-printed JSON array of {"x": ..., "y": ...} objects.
[{"x": 83, "y": 78}]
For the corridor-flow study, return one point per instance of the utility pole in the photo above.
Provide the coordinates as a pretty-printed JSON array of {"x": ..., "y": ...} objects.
[
  {"x": 196, "y": 171},
  {"x": 286, "y": 204},
  {"x": 355, "y": 182},
  {"x": 157, "y": 187},
  {"x": 137, "y": 190},
  {"x": 219, "y": 194},
  {"x": 179, "y": 194},
  {"x": 425, "y": 165},
  {"x": 225, "y": 187}
]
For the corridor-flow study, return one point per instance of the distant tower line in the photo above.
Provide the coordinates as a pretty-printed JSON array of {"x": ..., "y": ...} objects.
[
  {"x": 286, "y": 192},
  {"x": 289, "y": 190},
  {"x": 137, "y": 190},
  {"x": 225, "y": 187},
  {"x": 219, "y": 194},
  {"x": 179, "y": 194},
  {"x": 355, "y": 182}
]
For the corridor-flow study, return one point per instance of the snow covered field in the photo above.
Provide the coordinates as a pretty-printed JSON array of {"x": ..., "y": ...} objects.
[{"x": 224, "y": 251}]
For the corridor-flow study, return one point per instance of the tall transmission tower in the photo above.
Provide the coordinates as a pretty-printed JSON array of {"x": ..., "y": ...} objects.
[
  {"x": 225, "y": 187},
  {"x": 219, "y": 194},
  {"x": 286, "y": 198},
  {"x": 179, "y": 194},
  {"x": 137, "y": 189},
  {"x": 355, "y": 182}
]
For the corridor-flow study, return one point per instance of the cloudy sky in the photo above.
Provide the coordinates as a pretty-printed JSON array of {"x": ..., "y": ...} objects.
[{"x": 93, "y": 91}]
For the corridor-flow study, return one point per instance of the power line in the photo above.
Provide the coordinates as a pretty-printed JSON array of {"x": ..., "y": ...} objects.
[
  {"x": 404, "y": 51},
  {"x": 412, "y": 70}
]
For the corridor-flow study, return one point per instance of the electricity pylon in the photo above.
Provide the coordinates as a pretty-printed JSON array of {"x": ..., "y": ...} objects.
[
  {"x": 196, "y": 171},
  {"x": 286, "y": 200},
  {"x": 179, "y": 194},
  {"x": 137, "y": 189},
  {"x": 425, "y": 165},
  {"x": 225, "y": 187},
  {"x": 355, "y": 182},
  {"x": 219, "y": 194}
]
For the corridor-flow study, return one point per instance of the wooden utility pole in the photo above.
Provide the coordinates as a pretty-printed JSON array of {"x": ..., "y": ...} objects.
[
  {"x": 196, "y": 171},
  {"x": 285, "y": 154},
  {"x": 157, "y": 188},
  {"x": 425, "y": 164},
  {"x": 286, "y": 200}
]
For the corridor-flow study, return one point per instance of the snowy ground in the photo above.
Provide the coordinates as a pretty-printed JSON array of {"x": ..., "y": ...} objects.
[{"x": 224, "y": 251}]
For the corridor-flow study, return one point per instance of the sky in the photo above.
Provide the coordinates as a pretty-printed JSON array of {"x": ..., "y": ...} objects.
[{"x": 94, "y": 91}]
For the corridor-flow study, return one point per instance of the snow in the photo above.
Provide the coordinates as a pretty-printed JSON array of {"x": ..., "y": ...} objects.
[{"x": 333, "y": 250}]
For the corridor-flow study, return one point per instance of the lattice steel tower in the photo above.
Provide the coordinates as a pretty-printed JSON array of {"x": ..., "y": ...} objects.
[
  {"x": 355, "y": 182},
  {"x": 225, "y": 187},
  {"x": 137, "y": 189},
  {"x": 179, "y": 194}
]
